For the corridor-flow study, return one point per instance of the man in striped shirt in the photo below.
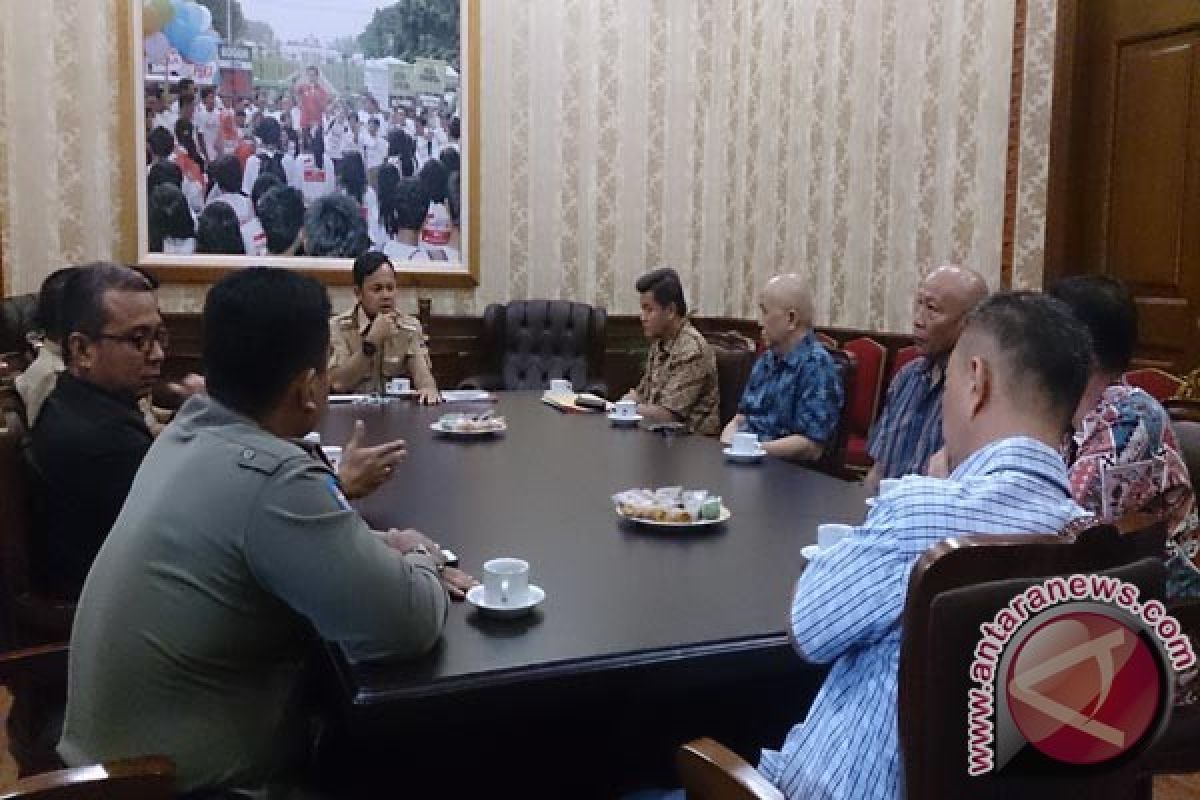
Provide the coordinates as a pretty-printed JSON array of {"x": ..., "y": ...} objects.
[
  {"x": 909, "y": 430},
  {"x": 1012, "y": 383}
]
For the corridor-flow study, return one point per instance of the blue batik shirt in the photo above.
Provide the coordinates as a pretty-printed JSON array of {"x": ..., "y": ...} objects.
[
  {"x": 909, "y": 430},
  {"x": 849, "y": 603},
  {"x": 800, "y": 393}
]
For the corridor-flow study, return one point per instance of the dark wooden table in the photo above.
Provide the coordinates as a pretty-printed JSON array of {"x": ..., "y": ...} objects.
[{"x": 627, "y": 608}]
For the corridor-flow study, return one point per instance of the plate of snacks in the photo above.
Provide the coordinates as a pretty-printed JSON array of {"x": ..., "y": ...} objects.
[
  {"x": 482, "y": 424},
  {"x": 671, "y": 507}
]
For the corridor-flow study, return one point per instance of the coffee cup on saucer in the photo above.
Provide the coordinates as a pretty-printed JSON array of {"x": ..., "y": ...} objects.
[
  {"x": 399, "y": 386},
  {"x": 625, "y": 408},
  {"x": 744, "y": 444},
  {"x": 505, "y": 582},
  {"x": 831, "y": 533},
  {"x": 561, "y": 386}
]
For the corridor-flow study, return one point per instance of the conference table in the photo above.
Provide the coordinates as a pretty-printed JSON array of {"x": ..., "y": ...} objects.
[{"x": 628, "y": 608}]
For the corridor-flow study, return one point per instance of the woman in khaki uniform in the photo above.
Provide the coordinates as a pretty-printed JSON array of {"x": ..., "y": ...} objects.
[{"x": 372, "y": 343}]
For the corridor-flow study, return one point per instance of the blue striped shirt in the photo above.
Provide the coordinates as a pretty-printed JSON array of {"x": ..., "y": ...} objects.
[
  {"x": 849, "y": 601},
  {"x": 909, "y": 430},
  {"x": 800, "y": 393}
]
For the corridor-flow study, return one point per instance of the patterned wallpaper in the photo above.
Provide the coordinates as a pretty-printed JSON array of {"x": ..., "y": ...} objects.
[{"x": 858, "y": 142}]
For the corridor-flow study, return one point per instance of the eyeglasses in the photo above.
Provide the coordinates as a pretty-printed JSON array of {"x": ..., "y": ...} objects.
[{"x": 141, "y": 339}]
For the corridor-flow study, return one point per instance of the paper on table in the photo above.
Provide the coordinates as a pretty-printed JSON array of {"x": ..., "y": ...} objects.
[
  {"x": 465, "y": 395},
  {"x": 347, "y": 398},
  {"x": 569, "y": 401}
]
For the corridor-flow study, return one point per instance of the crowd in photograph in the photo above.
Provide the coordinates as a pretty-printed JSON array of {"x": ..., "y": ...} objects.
[{"x": 302, "y": 171}]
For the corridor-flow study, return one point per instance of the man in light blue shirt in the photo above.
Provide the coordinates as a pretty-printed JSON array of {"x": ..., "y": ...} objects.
[{"x": 1012, "y": 383}]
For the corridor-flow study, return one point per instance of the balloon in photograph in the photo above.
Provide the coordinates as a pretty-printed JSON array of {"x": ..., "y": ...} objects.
[
  {"x": 201, "y": 17},
  {"x": 155, "y": 15},
  {"x": 178, "y": 33},
  {"x": 201, "y": 49}
]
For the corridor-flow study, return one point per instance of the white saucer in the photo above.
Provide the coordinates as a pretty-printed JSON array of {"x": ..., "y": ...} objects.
[
  {"x": 810, "y": 551},
  {"x": 532, "y": 600},
  {"x": 744, "y": 458},
  {"x": 628, "y": 420}
]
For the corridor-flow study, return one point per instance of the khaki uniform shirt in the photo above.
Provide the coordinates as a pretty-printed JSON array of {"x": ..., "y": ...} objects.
[
  {"x": 391, "y": 360},
  {"x": 681, "y": 376},
  {"x": 233, "y": 548}
]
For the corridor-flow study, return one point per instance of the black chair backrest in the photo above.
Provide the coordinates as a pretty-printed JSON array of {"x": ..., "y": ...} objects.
[
  {"x": 735, "y": 361},
  {"x": 955, "y": 587},
  {"x": 27, "y": 617},
  {"x": 16, "y": 320},
  {"x": 531, "y": 342},
  {"x": 833, "y": 460}
]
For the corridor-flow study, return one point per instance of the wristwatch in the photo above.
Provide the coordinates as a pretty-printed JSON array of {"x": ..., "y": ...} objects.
[
  {"x": 369, "y": 349},
  {"x": 425, "y": 551}
]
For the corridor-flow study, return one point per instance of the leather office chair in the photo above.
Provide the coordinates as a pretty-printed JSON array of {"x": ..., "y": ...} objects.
[
  {"x": 528, "y": 343},
  {"x": 868, "y": 393},
  {"x": 16, "y": 320},
  {"x": 903, "y": 356},
  {"x": 833, "y": 460},
  {"x": 711, "y": 771},
  {"x": 955, "y": 586},
  {"x": 37, "y": 677},
  {"x": 1159, "y": 384},
  {"x": 735, "y": 360},
  {"x": 27, "y": 616}
]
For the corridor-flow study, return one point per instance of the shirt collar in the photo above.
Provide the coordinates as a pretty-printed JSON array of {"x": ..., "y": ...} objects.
[
  {"x": 361, "y": 322},
  {"x": 934, "y": 369},
  {"x": 1015, "y": 453},
  {"x": 798, "y": 354},
  {"x": 80, "y": 388},
  {"x": 666, "y": 343}
]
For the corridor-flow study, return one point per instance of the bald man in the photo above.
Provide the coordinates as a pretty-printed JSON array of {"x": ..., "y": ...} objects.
[
  {"x": 909, "y": 431},
  {"x": 794, "y": 396}
]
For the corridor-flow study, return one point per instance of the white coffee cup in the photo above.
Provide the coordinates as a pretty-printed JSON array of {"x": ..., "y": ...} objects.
[
  {"x": 625, "y": 408},
  {"x": 745, "y": 444},
  {"x": 561, "y": 386},
  {"x": 505, "y": 581},
  {"x": 399, "y": 386},
  {"x": 831, "y": 533},
  {"x": 887, "y": 484}
]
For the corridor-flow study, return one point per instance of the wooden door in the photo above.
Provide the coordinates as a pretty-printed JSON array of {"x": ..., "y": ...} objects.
[{"x": 1125, "y": 163}]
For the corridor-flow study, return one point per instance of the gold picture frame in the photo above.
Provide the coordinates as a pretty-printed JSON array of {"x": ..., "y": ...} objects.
[{"x": 206, "y": 269}]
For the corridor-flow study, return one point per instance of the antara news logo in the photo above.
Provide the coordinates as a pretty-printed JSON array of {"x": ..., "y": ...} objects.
[{"x": 1078, "y": 668}]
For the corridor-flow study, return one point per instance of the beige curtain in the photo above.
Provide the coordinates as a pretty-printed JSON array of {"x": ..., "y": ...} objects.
[{"x": 858, "y": 142}]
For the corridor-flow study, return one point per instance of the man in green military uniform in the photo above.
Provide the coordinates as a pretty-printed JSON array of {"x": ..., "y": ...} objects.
[
  {"x": 234, "y": 547},
  {"x": 372, "y": 343},
  {"x": 680, "y": 381}
]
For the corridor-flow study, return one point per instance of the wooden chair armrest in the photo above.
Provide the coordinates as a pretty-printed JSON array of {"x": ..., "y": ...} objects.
[
  {"x": 711, "y": 771},
  {"x": 146, "y": 778},
  {"x": 44, "y": 663}
]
